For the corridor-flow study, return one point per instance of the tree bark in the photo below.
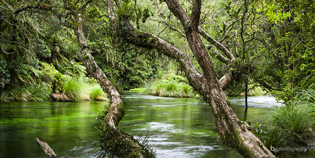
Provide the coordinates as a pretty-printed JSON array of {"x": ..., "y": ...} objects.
[
  {"x": 120, "y": 143},
  {"x": 233, "y": 132}
]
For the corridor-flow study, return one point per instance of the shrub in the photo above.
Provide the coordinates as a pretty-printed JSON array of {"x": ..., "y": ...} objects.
[{"x": 96, "y": 92}]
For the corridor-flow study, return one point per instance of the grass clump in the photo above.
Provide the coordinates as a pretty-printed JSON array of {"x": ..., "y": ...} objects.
[
  {"x": 171, "y": 86},
  {"x": 289, "y": 126},
  {"x": 97, "y": 93},
  {"x": 139, "y": 90},
  {"x": 296, "y": 118},
  {"x": 73, "y": 88}
]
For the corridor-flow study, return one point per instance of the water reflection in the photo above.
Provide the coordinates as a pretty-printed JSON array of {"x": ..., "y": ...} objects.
[
  {"x": 176, "y": 127},
  {"x": 69, "y": 128}
]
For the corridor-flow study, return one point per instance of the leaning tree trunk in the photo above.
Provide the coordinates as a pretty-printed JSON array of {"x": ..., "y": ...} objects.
[
  {"x": 111, "y": 138},
  {"x": 233, "y": 132}
]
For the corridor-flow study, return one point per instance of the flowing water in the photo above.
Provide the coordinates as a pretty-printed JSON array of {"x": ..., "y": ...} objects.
[{"x": 175, "y": 127}]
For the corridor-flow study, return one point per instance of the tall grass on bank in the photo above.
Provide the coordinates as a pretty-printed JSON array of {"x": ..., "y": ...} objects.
[
  {"x": 97, "y": 93},
  {"x": 39, "y": 92},
  {"x": 292, "y": 125},
  {"x": 296, "y": 118},
  {"x": 33, "y": 92},
  {"x": 74, "y": 88},
  {"x": 288, "y": 126},
  {"x": 172, "y": 86}
]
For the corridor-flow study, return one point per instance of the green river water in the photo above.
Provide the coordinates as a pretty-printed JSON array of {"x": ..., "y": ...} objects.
[{"x": 175, "y": 127}]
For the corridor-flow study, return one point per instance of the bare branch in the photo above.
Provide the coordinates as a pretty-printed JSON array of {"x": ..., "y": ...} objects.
[
  {"x": 305, "y": 45},
  {"x": 162, "y": 31},
  {"x": 5, "y": 51},
  {"x": 7, "y": 22},
  {"x": 47, "y": 149}
]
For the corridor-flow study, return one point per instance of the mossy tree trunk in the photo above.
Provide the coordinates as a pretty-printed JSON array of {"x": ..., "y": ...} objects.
[{"x": 112, "y": 139}]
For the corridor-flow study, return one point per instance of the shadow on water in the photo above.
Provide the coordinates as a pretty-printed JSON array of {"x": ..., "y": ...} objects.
[
  {"x": 69, "y": 128},
  {"x": 175, "y": 127}
]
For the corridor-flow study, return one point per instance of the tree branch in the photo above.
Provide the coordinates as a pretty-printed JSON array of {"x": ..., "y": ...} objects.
[
  {"x": 217, "y": 44},
  {"x": 110, "y": 10},
  {"x": 179, "y": 12},
  {"x": 220, "y": 57},
  {"x": 50, "y": 8},
  {"x": 195, "y": 15},
  {"x": 47, "y": 149},
  {"x": 146, "y": 40},
  {"x": 171, "y": 27}
]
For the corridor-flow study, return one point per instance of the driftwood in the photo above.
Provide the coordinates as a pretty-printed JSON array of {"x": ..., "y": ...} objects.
[{"x": 47, "y": 149}]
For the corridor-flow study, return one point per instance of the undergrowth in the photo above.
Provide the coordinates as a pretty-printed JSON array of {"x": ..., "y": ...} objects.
[{"x": 291, "y": 125}]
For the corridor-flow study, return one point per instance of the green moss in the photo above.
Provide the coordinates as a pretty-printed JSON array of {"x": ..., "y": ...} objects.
[{"x": 118, "y": 143}]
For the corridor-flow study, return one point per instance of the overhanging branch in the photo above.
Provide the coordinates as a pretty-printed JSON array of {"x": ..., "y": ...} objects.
[
  {"x": 50, "y": 8},
  {"x": 171, "y": 27}
]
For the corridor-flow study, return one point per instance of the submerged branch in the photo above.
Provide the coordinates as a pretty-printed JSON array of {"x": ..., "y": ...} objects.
[{"x": 47, "y": 149}]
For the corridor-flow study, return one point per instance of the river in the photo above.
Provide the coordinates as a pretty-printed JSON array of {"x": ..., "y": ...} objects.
[{"x": 175, "y": 127}]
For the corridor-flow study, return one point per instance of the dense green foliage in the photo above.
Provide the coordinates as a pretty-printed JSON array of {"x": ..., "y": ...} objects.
[{"x": 272, "y": 42}]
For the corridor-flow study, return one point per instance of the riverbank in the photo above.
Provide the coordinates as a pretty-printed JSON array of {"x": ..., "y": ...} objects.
[
  {"x": 171, "y": 85},
  {"x": 71, "y": 90}
]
